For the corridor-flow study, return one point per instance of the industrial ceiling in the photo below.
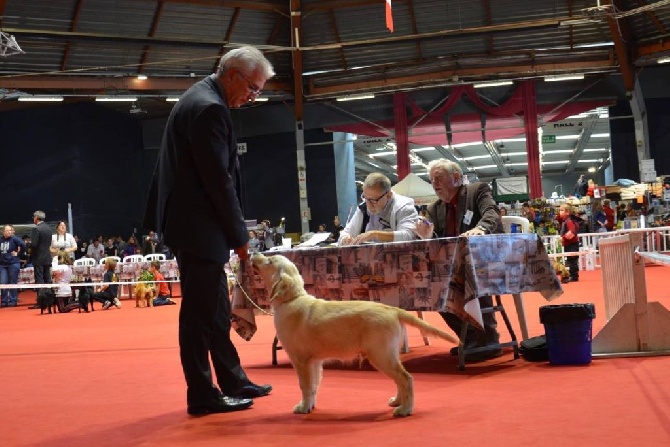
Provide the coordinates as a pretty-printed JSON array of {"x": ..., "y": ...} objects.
[{"x": 326, "y": 50}]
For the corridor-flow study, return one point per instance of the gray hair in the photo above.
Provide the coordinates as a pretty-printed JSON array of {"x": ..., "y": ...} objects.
[
  {"x": 246, "y": 59},
  {"x": 447, "y": 166},
  {"x": 377, "y": 179},
  {"x": 40, "y": 215}
]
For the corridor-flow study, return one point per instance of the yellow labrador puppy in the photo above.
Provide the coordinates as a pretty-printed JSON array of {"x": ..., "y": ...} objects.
[{"x": 312, "y": 330}]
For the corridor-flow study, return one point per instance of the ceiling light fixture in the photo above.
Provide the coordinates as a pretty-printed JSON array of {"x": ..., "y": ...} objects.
[
  {"x": 171, "y": 99},
  {"x": 355, "y": 97},
  {"x": 566, "y": 77},
  {"x": 262, "y": 99},
  {"x": 115, "y": 99},
  {"x": 142, "y": 77},
  {"x": 663, "y": 60},
  {"x": 41, "y": 98},
  {"x": 592, "y": 169},
  {"x": 492, "y": 84}
]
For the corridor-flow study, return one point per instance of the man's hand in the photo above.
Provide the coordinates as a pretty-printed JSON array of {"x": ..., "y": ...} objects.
[
  {"x": 363, "y": 237},
  {"x": 424, "y": 228},
  {"x": 242, "y": 252},
  {"x": 474, "y": 232},
  {"x": 346, "y": 240}
]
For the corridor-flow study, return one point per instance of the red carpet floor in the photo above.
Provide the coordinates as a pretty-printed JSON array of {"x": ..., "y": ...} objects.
[{"x": 113, "y": 378}]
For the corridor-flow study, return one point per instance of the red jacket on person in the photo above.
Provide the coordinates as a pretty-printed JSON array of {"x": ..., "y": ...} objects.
[{"x": 569, "y": 225}]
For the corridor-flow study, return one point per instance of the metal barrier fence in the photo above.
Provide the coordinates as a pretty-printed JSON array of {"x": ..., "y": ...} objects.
[{"x": 655, "y": 239}]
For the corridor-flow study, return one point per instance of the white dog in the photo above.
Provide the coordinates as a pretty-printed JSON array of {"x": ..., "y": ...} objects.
[{"x": 312, "y": 330}]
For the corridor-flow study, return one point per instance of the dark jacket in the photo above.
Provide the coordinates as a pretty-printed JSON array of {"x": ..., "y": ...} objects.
[
  {"x": 475, "y": 197},
  {"x": 7, "y": 246},
  {"x": 193, "y": 201},
  {"x": 40, "y": 238}
]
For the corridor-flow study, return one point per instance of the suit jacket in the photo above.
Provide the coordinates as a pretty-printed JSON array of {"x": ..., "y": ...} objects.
[
  {"x": 40, "y": 239},
  {"x": 194, "y": 201},
  {"x": 475, "y": 197}
]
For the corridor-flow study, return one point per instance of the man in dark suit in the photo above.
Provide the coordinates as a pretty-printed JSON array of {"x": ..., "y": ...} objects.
[
  {"x": 194, "y": 204},
  {"x": 40, "y": 238},
  {"x": 463, "y": 210}
]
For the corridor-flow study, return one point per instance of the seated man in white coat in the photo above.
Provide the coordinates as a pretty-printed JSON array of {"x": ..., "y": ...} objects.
[{"x": 383, "y": 216}]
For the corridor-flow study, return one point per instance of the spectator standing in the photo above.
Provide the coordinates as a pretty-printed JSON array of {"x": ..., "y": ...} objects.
[
  {"x": 63, "y": 241},
  {"x": 569, "y": 238},
  {"x": 24, "y": 256},
  {"x": 196, "y": 186},
  {"x": 40, "y": 238},
  {"x": 149, "y": 245},
  {"x": 10, "y": 264},
  {"x": 609, "y": 215}
]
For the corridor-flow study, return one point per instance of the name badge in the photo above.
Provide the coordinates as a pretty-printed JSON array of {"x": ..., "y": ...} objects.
[{"x": 467, "y": 218}]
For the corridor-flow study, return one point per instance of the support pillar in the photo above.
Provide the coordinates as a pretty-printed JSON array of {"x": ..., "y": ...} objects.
[
  {"x": 532, "y": 143},
  {"x": 401, "y": 135},
  {"x": 305, "y": 216},
  {"x": 639, "y": 110}
]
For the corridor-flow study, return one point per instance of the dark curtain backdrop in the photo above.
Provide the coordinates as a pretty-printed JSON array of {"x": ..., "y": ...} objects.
[
  {"x": 658, "y": 119},
  {"x": 270, "y": 174},
  {"x": 83, "y": 154},
  {"x": 101, "y": 161},
  {"x": 622, "y": 138}
]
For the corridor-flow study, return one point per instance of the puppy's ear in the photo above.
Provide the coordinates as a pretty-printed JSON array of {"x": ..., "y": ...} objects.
[{"x": 283, "y": 285}]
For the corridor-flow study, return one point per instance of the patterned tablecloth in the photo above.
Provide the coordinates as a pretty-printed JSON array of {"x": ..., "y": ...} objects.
[{"x": 444, "y": 274}]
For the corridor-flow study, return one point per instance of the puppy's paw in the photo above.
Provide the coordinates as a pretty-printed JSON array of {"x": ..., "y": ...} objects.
[
  {"x": 401, "y": 412},
  {"x": 394, "y": 402},
  {"x": 303, "y": 408}
]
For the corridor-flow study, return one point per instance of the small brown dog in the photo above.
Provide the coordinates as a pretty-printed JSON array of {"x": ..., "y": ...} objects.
[
  {"x": 561, "y": 271},
  {"x": 144, "y": 293},
  {"x": 312, "y": 330}
]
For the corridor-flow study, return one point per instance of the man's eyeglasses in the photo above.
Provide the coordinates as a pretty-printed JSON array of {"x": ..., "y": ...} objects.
[
  {"x": 253, "y": 88},
  {"x": 373, "y": 201}
]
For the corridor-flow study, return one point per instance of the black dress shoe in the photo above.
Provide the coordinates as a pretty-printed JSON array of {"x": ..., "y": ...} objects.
[
  {"x": 223, "y": 405},
  {"x": 34, "y": 306},
  {"x": 251, "y": 390}
]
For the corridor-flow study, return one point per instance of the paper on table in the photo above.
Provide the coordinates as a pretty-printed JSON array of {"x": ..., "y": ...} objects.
[{"x": 314, "y": 240}]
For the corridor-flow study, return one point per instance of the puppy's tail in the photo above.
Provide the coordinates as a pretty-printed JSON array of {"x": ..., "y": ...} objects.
[{"x": 425, "y": 328}]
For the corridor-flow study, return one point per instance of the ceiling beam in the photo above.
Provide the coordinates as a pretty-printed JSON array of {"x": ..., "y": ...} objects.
[
  {"x": 336, "y": 31},
  {"x": 652, "y": 16},
  {"x": 152, "y": 32},
  {"x": 73, "y": 26},
  {"x": 256, "y": 5},
  {"x": 582, "y": 141},
  {"x": 620, "y": 35},
  {"x": 229, "y": 33},
  {"x": 652, "y": 48},
  {"x": 91, "y": 83},
  {"x": 378, "y": 165},
  {"x": 391, "y": 83},
  {"x": 492, "y": 149}
]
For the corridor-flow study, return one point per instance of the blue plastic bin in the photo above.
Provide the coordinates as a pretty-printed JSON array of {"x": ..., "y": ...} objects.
[{"x": 568, "y": 328}]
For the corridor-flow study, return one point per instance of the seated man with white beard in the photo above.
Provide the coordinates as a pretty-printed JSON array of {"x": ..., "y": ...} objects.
[{"x": 383, "y": 216}]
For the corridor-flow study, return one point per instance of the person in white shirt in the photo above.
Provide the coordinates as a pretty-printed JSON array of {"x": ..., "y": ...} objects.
[
  {"x": 383, "y": 216},
  {"x": 96, "y": 250},
  {"x": 63, "y": 241},
  {"x": 62, "y": 274}
]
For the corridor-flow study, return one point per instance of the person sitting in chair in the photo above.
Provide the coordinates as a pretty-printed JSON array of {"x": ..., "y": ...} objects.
[{"x": 463, "y": 210}]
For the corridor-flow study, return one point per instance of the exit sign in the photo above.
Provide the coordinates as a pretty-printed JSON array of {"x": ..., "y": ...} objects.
[{"x": 548, "y": 139}]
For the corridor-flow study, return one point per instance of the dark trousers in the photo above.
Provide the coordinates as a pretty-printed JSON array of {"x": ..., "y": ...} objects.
[
  {"x": 475, "y": 337},
  {"x": 42, "y": 274},
  {"x": 204, "y": 330},
  {"x": 103, "y": 296},
  {"x": 572, "y": 261}
]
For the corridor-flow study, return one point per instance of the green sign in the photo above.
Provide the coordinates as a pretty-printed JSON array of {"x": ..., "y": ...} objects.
[{"x": 548, "y": 139}]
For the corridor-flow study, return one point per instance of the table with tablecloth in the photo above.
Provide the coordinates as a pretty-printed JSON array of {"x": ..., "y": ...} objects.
[{"x": 445, "y": 274}]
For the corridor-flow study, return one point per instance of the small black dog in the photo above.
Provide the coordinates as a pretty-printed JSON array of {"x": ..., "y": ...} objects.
[
  {"x": 85, "y": 298},
  {"x": 46, "y": 298}
]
